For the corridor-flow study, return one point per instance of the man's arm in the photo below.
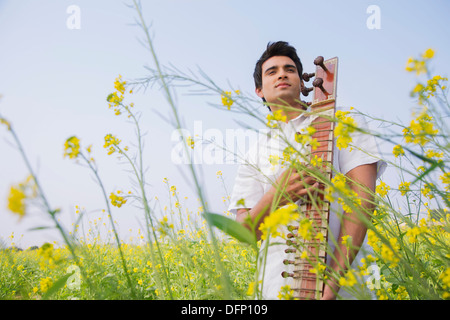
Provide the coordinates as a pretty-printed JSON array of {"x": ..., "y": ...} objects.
[
  {"x": 364, "y": 176},
  {"x": 289, "y": 187}
]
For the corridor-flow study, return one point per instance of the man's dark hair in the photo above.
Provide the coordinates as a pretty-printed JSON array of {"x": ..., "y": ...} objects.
[{"x": 280, "y": 48}]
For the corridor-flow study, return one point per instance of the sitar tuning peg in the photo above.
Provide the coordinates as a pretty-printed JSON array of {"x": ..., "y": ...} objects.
[
  {"x": 318, "y": 83},
  {"x": 306, "y": 91},
  {"x": 306, "y": 103},
  {"x": 285, "y": 274},
  {"x": 319, "y": 62},
  {"x": 307, "y": 76}
]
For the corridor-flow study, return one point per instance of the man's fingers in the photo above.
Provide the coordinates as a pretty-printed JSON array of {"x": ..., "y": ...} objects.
[
  {"x": 307, "y": 181},
  {"x": 309, "y": 190}
]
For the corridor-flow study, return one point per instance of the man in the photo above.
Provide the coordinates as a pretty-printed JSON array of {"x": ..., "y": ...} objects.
[{"x": 278, "y": 82}]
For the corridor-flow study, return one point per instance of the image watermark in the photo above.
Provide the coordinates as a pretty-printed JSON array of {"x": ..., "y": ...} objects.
[
  {"x": 212, "y": 146},
  {"x": 73, "y": 21},
  {"x": 373, "y": 281},
  {"x": 373, "y": 21},
  {"x": 74, "y": 281},
  {"x": 231, "y": 146}
]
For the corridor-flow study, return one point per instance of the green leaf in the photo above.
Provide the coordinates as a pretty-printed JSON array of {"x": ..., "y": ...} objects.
[
  {"x": 232, "y": 228},
  {"x": 40, "y": 228},
  {"x": 434, "y": 164},
  {"x": 57, "y": 285}
]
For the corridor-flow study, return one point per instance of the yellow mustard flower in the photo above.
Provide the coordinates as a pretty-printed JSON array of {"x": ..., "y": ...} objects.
[
  {"x": 316, "y": 161},
  {"x": 414, "y": 232},
  {"x": 390, "y": 253},
  {"x": 319, "y": 236},
  {"x": 351, "y": 199},
  {"x": 349, "y": 280},
  {"x": 286, "y": 293},
  {"x": 347, "y": 240},
  {"x": 445, "y": 278},
  {"x": 114, "y": 99},
  {"x": 117, "y": 199},
  {"x": 418, "y": 66},
  {"x": 280, "y": 217},
  {"x": 398, "y": 151},
  {"x": 252, "y": 287},
  {"x": 421, "y": 129},
  {"x": 111, "y": 142},
  {"x": 173, "y": 190},
  {"x": 190, "y": 142},
  {"x": 226, "y": 99},
  {"x": 305, "y": 229},
  {"x": 72, "y": 147},
  {"x": 46, "y": 251},
  {"x": 402, "y": 293},
  {"x": 433, "y": 154},
  {"x": 18, "y": 195},
  {"x": 373, "y": 240},
  {"x": 45, "y": 284},
  {"x": 404, "y": 187},
  {"x": 445, "y": 178},
  {"x": 428, "y": 54},
  {"x": 429, "y": 90},
  {"x": 319, "y": 268},
  {"x": 345, "y": 126},
  {"x": 382, "y": 189},
  {"x": 306, "y": 139},
  {"x": 427, "y": 190},
  {"x": 16, "y": 200},
  {"x": 119, "y": 85},
  {"x": 274, "y": 117},
  {"x": 5, "y": 122}
]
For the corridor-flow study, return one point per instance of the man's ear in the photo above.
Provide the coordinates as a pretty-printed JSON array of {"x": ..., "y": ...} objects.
[
  {"x": 302, "y": 85},
  {"x": 259, "y": 92}
]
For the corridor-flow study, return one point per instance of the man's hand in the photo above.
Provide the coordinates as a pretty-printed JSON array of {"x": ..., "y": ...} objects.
[
  {"x": 290, "y": 186},
  {"x": 362, "y": 180},
  {"x": 293, "y": 185}
]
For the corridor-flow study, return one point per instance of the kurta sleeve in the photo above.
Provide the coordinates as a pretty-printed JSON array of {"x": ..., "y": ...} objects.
[
  {"x": 362, "y": 150},
  {"x": 248, "y": 188}
]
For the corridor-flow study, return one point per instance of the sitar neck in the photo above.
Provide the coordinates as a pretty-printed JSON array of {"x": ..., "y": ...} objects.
[{"x": 309, "y": 250}]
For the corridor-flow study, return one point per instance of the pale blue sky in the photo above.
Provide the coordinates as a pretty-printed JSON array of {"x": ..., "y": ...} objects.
[{"x": 54, "y": 81}]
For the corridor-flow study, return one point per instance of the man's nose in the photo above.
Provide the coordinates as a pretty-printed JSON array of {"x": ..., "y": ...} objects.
[{"x": 282, "y": 75}]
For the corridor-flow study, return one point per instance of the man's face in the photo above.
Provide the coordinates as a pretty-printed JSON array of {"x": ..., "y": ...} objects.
[{"x": 280, "y": 81}]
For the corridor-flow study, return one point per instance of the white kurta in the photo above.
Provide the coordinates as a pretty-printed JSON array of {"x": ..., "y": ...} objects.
[{"x": 258, "y": 170}]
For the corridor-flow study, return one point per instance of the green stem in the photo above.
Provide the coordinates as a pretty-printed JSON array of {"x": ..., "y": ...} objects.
[
  {"x": 140, "y": 178},
  {"x": 224, "y": 278},
  {"x": 124, "y": 265},
  {"x": 48, "y": 207}
]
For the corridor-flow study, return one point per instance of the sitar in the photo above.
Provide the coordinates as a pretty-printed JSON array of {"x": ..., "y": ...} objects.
[{"x": 310, "y": 253}]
